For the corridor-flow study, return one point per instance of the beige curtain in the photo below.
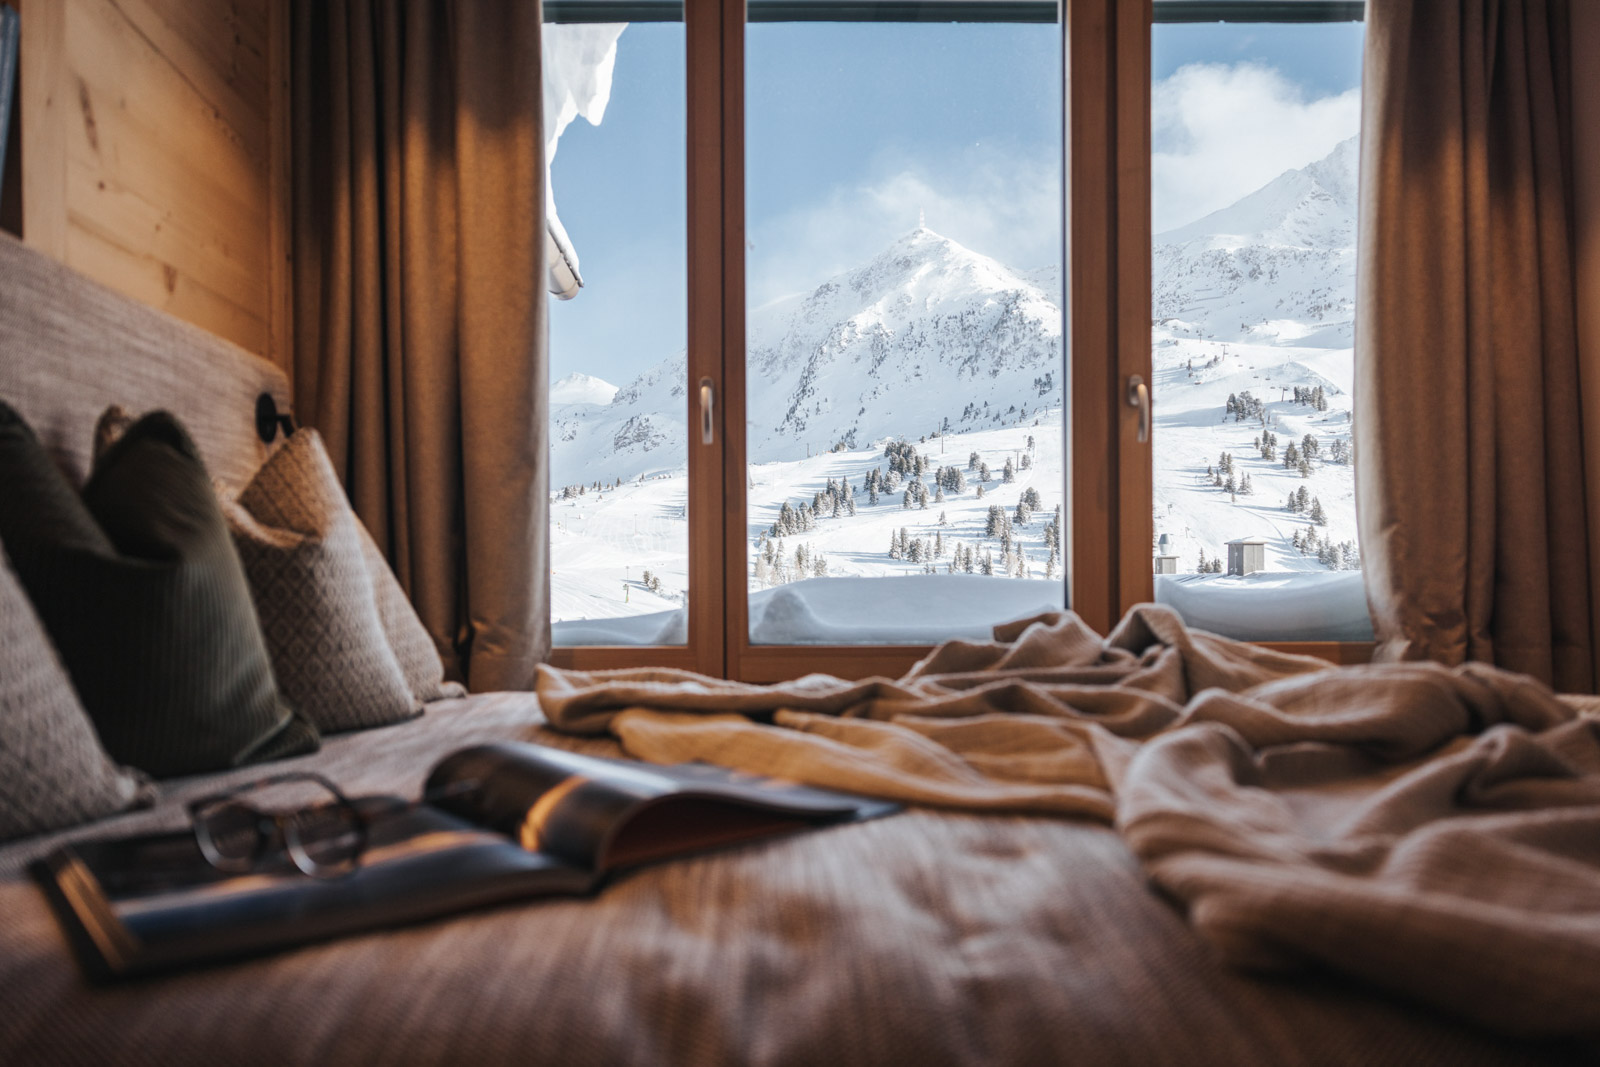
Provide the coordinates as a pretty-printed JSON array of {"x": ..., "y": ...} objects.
[
  {"x": 1470, "y": 479},
  {"x": 420, "y": 311}
]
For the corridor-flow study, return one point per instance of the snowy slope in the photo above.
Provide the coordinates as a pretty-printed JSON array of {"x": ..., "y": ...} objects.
[{"x": 1256, "y": 297}]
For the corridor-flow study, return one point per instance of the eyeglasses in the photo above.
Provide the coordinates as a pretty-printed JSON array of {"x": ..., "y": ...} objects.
[
  {"x": 308, "y": 817},
  {"x": 323, "y": 832}
]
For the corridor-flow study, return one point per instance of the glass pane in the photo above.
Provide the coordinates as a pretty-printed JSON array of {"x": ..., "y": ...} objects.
[
  {"x": 1253, "y": 172},
  {"x": 904, "y": 371},
  {"x": 619, "y": 529}
]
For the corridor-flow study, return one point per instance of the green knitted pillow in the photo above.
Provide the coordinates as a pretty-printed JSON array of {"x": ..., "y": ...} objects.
[{"x": 139, "y": 586}]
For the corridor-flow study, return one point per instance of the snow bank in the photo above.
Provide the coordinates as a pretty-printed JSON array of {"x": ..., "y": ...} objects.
[
  {"x": 926, "y": 609},
  {"x": 578, "y": 61},
  {"x": 917, "y": 609},
  {"x": 1272, "y": 605}
]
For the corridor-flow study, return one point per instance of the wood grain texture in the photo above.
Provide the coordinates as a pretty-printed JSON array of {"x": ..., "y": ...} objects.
[
  {"x": 42, "y": 77},
  {"x": 1132, "y": 301},
  {"x": 1093, "y": 397},
  {"x": 153, "y": 153}
]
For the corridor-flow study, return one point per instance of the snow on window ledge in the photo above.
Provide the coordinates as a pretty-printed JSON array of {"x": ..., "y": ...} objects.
[{"x": 1271, "y": 605}]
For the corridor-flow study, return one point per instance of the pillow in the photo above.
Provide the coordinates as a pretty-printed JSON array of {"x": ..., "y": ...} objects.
[
  {"x": 413, "y": 647},
  {"x": 53, "y": 772},
  {"x": 409, "y": 641},
  {"x": 302, "y": 551},
  {"x": 140, "y": 589}
]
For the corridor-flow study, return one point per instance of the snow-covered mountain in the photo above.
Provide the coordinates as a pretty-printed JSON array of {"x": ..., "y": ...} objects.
[
  {"x": 1252, "y": 360},
  {"x": 927, "y": 336},
  {"x": 1276, "y": 267},
  {"x": 580, "y": 388}
]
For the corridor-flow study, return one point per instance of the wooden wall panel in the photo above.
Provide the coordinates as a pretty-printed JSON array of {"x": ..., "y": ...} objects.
[{"x": 153, "y": 149}]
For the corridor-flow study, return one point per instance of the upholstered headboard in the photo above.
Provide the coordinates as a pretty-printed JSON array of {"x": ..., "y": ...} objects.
[{"x": 70, "y": 347}]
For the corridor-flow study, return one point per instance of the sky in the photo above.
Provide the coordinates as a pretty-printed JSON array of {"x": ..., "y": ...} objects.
[{"x": 853, "y": 130}]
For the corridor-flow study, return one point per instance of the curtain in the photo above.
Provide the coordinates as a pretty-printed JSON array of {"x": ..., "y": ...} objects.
[
  {"x": 420, "y": 330},
  {"x": 1470, "y": 475}
]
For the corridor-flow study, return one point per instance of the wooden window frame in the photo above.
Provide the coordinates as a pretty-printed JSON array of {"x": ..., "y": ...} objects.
[{"x": 1106, "y": 250}]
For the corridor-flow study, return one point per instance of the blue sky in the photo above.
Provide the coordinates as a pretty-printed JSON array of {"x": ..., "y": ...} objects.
[{"x": 852, "y": 129}]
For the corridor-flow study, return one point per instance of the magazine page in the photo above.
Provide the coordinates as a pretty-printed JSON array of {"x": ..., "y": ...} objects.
[{"x": 603, "y": 814}]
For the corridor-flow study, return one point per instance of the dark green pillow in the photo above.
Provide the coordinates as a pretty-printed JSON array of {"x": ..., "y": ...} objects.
[{"x": 139, "y": 586}]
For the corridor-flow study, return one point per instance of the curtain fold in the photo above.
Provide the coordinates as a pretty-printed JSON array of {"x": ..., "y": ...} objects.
[
  {"x": 1470, "y": 475},
  {"x": 420, "y": 330}
]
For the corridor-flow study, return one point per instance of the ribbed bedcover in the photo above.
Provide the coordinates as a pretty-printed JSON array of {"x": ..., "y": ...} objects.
[{"x": 925, "y": 938}]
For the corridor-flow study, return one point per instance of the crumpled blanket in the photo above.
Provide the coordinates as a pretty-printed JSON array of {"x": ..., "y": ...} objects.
[{"x": 1433, "y": 831}]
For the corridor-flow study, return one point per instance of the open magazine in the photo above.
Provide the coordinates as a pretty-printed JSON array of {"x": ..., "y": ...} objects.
[{"x": 499, "y": 822}]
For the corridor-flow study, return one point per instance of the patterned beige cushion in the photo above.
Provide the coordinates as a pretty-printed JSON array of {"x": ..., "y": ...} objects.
[
  {"x": 53, "y": 771},
  {"x": 302, "y": 550},
  {"x": 419, "y": 659}
]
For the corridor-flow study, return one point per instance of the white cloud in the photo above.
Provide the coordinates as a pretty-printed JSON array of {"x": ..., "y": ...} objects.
[
  {"x": 1006, "y": 205},
  {"x": 1221, "y": 131}
]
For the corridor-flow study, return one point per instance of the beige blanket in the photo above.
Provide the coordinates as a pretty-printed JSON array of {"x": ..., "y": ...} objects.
[{"x": 1434, "y": 831}]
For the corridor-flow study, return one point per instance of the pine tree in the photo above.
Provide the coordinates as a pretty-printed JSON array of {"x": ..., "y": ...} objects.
[
  {"x": 987, "y": 567},
  {"x": 1302, "y": 500},
  {"x": 942, "y": 520},
  {"x": 894, "y": 546},
  {"x": 973, "y": 461},
  {"x": 938, "y": 544},
  {"x": 1318, "y": 516},
  {"x": 1305, "y": 467},
  {"x": 983, "y": 472}
]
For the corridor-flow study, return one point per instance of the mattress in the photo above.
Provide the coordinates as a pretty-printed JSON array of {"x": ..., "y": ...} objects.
[{"x": 927, "y": 938}]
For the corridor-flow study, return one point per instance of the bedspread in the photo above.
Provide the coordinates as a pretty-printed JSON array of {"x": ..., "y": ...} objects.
[{"x": 1433, "y": 831}]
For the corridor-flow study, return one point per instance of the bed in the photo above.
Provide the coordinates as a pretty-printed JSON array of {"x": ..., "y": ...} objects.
[{"x": 927, "y": 937}]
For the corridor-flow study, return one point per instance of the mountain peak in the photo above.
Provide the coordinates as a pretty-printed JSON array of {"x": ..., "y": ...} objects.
[
  {"x": 580, "y": 388},
  {"x": 1309, "y": 207}
]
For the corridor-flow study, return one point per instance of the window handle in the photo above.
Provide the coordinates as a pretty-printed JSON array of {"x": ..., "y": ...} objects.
[
  {"x": 1139, "y": 397},
  {"x": 708, "y": 410}
]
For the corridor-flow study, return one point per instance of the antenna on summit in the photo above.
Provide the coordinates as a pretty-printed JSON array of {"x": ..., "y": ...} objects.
[{"x": 922, "y": 219}]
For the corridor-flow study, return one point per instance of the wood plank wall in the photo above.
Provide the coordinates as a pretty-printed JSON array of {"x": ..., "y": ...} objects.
[{"x": 154, "y": 155}]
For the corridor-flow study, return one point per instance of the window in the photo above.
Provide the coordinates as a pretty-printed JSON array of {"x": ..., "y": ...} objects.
[
  {"x": 823, "y": 290},
  {"x": 1253, "y": 192},
  {"x": 904, "y": 366}
]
